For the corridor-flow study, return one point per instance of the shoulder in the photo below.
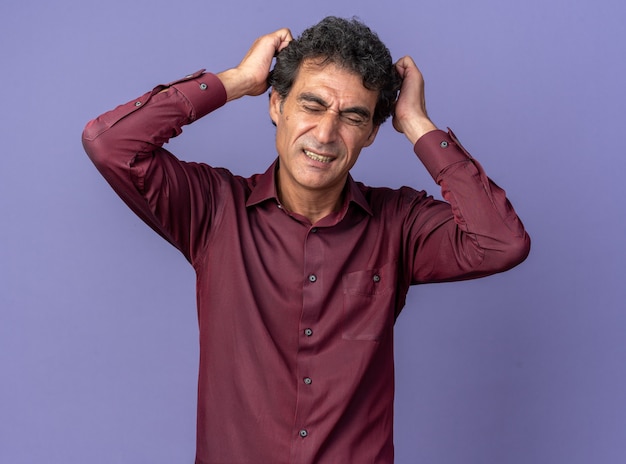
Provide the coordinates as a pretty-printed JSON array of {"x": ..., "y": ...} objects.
[{"x": 387, "y": 198}]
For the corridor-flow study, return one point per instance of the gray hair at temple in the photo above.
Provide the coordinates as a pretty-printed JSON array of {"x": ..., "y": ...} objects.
[{"x": 349, "y": 44}]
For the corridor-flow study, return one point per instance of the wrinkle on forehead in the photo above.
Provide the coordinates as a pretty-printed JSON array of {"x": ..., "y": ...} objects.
[{"x": 328, "y": 75}]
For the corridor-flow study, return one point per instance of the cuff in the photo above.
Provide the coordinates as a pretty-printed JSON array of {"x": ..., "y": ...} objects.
[
  {"x": 204, "y": 91},
  {"x": 437, "y": 150}
]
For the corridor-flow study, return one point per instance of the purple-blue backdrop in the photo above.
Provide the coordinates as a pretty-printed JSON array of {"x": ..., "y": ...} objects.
[{"x": 98, "y": 337}]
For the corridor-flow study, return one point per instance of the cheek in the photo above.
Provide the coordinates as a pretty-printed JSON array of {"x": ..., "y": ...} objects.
[
  {"x": 286, "y": 138},
  {"x": 295, "y": 127},
  {"x": 354, "y": 142}
]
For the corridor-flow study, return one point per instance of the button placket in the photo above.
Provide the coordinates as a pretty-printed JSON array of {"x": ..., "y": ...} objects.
[{"x": 313, "y": 298}]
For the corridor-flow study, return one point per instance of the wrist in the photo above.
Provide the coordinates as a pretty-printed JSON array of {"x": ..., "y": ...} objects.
[
  {"x": 234, "y": 83},
  {"x": 416, "y": 128}
]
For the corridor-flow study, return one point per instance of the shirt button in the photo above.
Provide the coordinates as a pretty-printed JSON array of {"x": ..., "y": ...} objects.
[
  {"x": 308, "y": 381},
  {"x": 303, "y": 433},
  {"x": 314, "y": 230},
  {"x": 376, "y": 278},
  {"x": 137, "y": 103},
  {"x": 203, "y": 86},
  {"x": 312, "y": 278},
  {"x": 443, "y": 144},
  {"x": 308, "y": 332}
]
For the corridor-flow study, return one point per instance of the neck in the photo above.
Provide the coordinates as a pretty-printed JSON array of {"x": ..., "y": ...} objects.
[{"x": 312, "y": 204}]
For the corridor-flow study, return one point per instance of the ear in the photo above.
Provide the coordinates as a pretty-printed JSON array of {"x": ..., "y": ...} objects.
[
  {"x": 372, "y": 136},
  {"x": 275, "y": 106}
]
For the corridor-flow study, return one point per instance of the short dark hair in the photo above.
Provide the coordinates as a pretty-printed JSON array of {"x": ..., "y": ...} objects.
[{"x": 347, "y": 43}]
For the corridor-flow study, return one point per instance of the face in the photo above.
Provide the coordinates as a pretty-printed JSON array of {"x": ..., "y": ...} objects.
[{"x": 321, "y": 127}]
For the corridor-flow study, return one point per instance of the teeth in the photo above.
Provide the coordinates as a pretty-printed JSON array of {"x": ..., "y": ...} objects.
[{"x": 316, "y": 157}]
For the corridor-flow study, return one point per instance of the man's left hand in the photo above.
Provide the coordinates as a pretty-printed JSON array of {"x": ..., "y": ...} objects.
[{"x": 410, "y": 117}]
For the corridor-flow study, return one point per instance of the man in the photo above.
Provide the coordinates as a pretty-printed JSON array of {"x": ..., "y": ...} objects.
[{"x": 301, "y": 271}]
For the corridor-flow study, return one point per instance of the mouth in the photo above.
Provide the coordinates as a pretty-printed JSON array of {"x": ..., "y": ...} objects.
[{"x": 317, "y": 157}]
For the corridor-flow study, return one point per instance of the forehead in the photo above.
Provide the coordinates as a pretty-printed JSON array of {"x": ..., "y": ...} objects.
[{"x": 334, "y": 82}]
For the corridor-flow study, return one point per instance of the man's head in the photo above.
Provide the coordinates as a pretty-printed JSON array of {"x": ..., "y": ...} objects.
[
  {"x": 332, "y": 88},
  {"x": 348, "y": 44}
]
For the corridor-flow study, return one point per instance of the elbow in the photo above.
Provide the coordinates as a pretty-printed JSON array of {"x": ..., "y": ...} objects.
[
  {"x": 515, "y": 251},
  {"x": 102, "y": 146},
  {"x": 91, "y": 143}
]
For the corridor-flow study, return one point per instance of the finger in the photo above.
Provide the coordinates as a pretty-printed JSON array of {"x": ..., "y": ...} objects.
[
  {"x": 285, "y": 40},
  {"x": 281, "y": 38},
  {"x": 403, "y": 65}
]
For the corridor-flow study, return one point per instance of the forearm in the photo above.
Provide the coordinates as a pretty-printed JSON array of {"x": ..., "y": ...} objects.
[
  {"x": 125, "y": 144},
  {"x": 152, "y": 119},
  {"x": 486, "y": 232}
]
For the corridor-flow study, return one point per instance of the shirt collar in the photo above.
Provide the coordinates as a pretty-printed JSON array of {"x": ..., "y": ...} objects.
[{"x": 264, "y": 188}]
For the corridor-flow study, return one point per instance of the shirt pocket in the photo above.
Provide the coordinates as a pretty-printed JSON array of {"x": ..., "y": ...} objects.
[{"x": 368, "y": 298}]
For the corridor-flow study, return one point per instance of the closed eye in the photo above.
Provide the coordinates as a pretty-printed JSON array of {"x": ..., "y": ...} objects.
[
  {"x": 354, "y": 119},
  {"x": 312, "y": 102},
  {"x": 313, "y": 108}
]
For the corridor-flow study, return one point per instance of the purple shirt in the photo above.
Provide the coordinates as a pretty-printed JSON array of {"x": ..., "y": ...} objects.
[{"x": 296, "y": 319}]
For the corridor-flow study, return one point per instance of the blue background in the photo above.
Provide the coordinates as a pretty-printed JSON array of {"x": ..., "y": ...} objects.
[{"x": 98, "y": 333}]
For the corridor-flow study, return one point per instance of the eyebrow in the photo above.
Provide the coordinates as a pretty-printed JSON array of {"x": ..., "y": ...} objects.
[{"x": 313, "y": 98}]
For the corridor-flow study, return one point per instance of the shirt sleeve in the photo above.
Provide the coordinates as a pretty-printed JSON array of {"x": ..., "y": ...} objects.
[
  {"x": 474, "y": 234},
  {"x": 126, "y": 145}
]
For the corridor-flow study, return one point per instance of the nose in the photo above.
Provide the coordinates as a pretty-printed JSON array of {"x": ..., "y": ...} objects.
[{"x": 327, "y": 128}]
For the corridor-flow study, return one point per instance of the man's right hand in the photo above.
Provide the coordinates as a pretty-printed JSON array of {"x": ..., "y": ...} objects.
[{"x": 250, "y": 76}]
